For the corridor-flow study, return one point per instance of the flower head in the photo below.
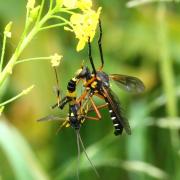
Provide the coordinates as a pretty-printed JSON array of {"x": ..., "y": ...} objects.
[
  {"x": 7, "y": 30},
  {"x": 84, "y": 26},
  {"x": 56, "y": 59},
  {"x": 70, "y": 3},
  {"x": 84, "y": 4}
]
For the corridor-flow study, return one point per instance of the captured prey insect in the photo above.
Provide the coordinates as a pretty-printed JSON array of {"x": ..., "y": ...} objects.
[{"x": 76, "y": 115}]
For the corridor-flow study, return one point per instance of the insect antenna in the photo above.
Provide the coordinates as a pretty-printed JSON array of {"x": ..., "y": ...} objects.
[
  {"x": 84, "y": 149},
  {"x": 79, "y": 151},
  {"x": 100, "y": 45},
  {"x": 90, "y": 56},
  {"x": 57, "y": 87}
]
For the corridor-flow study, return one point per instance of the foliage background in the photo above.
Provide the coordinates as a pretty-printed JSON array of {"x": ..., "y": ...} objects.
[{"x": 142, "y": 41}]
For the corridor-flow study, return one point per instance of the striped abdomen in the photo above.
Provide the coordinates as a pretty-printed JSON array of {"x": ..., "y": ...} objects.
[
  {"x": 115, "y": 120},
  {"x": 115, "y": 110}
]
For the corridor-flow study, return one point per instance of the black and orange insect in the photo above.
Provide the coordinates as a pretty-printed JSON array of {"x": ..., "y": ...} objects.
[
  {"x": 97, "y": 83},
  {"x": 76, "y": 115}
]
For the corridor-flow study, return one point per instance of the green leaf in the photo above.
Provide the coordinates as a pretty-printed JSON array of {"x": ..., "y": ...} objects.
[{"x": 19, "y": 154}]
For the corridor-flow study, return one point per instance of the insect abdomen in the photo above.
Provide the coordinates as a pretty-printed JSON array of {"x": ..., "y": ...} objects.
[{"x": 116, "y": 122}]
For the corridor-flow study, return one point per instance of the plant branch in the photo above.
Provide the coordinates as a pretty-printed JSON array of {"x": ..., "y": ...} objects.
[
  {"x": 53, "y": 26},
  {"x": 3, "y": 52},
  {"x": 60, "y": 18},
  {"x": 24, "y": 92},
  {"x": 166, "y": 70},
  {"x": 32, "y": 59}
]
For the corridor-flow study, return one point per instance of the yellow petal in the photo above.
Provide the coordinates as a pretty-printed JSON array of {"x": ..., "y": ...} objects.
[
  {"x": 80, "y": 45},
  {"x": 77, "y": 18},
  {"x": 84, "y": 4},
  {"x": 70, "y": 3}
]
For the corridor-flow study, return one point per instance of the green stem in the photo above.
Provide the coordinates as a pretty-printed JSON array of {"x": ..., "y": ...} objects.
[
  {"x": 61, "y": 18},
  {"x": 68, "y": 11},
  {"x": 22, "y": 44},
  {"x": 53, "y": 26},
  {"x": 166, "y": 70},
  {"x": 50, "y": 5},
  {"x": 3, "y": 52},
  {"x": 161, "y": 101},
  {"x": 32, "y": 59},
  {"x": 40, "y": 12},
  {"x": 24, "y": 92},
  {"x": 27, "y": 15}
]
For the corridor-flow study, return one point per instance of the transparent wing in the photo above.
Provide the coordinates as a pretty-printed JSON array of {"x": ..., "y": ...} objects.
[
  {"x": 52, "y": 118},
  {"x": 128, "y": 83}
]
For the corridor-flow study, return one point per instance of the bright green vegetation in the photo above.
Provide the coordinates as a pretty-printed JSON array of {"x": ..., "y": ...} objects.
[{"x": 142, "y": 41}]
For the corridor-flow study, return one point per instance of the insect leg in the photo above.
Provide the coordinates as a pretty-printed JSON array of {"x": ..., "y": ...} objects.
[
  {"x": 99, "y": 107},
  {"x": 84, "y": 149},
  {"x": 95, "y": 108},
  {"x": 90, "y": 56},
  {"x": 100, "y": 45},
  {"x": 79, "y": 151},
  {"x": 57, "y": 87}
]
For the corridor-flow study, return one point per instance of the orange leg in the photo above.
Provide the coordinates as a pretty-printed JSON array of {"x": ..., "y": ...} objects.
[
  {"x": 92, "y": 118},
  {"x": 82, "y": 97},
  {"x": 99, "y": 107},
  {"x": 95, "y": 108},
  {"x": 100, "y": 96}
]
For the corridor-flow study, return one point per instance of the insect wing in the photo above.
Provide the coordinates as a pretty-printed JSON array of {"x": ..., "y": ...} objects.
[
  {"x": 129, "y": 83},
  {"x": 114, "y": 101},
  {"x": 51, "y": 118}
]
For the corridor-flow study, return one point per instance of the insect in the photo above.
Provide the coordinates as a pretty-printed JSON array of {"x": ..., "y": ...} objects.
[
  {"x": 97, "y": 83},
  {"x": 76, "y": 115}
]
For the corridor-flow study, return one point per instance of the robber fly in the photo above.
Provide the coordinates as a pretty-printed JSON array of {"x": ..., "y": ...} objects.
[{"x": 97, "y": 83}]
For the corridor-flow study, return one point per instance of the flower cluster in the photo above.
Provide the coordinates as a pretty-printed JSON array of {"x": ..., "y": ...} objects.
[
  {"x": 83, "y": 24},
  {"x": 56, "y": 59}
]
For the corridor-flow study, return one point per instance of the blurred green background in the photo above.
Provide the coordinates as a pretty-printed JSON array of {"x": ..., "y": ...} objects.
[{"x": 142, "y": 41}]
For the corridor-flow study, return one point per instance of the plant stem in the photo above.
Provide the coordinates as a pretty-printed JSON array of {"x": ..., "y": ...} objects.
[
  {"x": 8, "y": 68},
  {"x": 167, "y": 76},
  {"x": 40, "y": 12},
  {"x": 53, "y": 26},
  {"x": 32, "y": 59},
  {"x": 67, "y": 11},
  {"x": 61, "y": 18},
  {"x": 50, "y": 5},
  {"x": 22, "y": 44},
  {"x": 3, "y": 51},
  {"x": 24, "y": 92},
  {"x": 166, "y": 70}
]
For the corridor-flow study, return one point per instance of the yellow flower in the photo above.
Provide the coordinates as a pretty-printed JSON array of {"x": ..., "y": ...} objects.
[
  {"x": 30, "y": 4},
  {"x": 70, "y": 3},
  {"x": 84, "y": 4},
  {"x": 84, "y": 26},
  {"x": 7, "y": 30},
  {"x": 56, "y": 59}
]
